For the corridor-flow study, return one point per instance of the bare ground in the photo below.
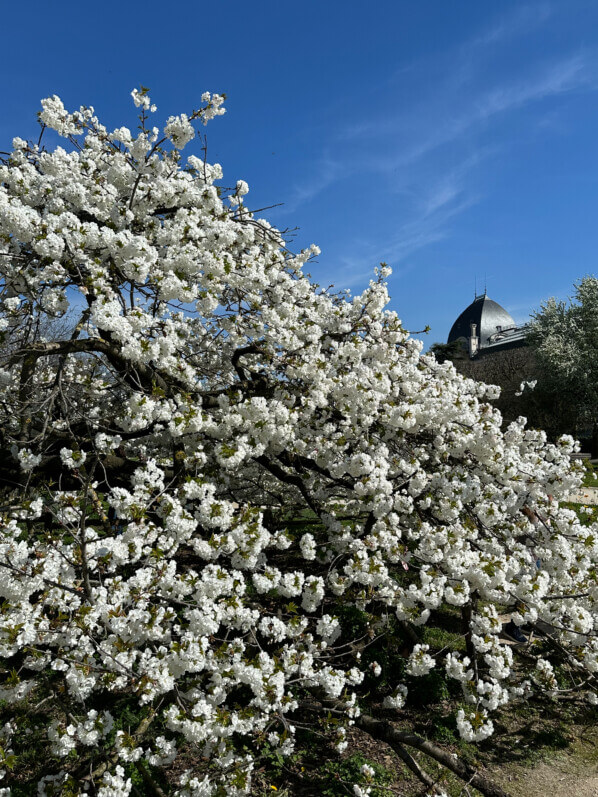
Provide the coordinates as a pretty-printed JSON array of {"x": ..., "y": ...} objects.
[
  {"x": 562, "y": 776},
  {"x": 587, "y": 495}
]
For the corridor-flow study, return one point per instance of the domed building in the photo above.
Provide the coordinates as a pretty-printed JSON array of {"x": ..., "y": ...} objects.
[{"x": 485, "y": 327}]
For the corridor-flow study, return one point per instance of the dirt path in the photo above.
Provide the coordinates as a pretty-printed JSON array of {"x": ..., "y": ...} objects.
[
  {"x": 562, "y": 776},
  {"x": 587, "y": 495}
]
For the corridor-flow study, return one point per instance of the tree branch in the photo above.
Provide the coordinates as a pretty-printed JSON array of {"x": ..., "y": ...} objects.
[{"x": 385, "y": 731}]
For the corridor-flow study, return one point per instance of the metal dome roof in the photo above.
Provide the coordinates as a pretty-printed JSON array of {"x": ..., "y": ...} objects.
[{"x": 489, "y": 318}]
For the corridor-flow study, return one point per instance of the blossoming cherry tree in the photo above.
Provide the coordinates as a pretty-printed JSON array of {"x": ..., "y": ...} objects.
[{"x": 219, "y": 466}]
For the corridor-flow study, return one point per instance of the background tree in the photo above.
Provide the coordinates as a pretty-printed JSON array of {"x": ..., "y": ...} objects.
[
  {"x": 455, "y": 351},
  {"x": 564, "y": 337},
  {"x": 527, "y": 386},
  {"x": 232, "y": 503}
]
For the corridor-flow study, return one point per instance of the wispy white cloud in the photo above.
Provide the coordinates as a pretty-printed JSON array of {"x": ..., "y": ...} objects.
[
  {"x": 428, "y": 154},
  {"x": 454, "y": 68},
  {"x": 416, "y": 140},
  {"x": 569, "y": 74},
  {"x": 444, "y": 193},
  {"x": 327, "y": 172},
  {"x": 433, "y": 207},
  {"x": 459, "y": 68},
  {"x": 518, "y": 21},
  {"x": 450, "y": 185},
  {"x": 424, "y": 229}
]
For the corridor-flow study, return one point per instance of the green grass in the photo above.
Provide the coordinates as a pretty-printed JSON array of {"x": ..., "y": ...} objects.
[
  {"x": 340, "y": 775},
  {"x": 590, "y": 478},
  {"x": 439, "y": 638}
]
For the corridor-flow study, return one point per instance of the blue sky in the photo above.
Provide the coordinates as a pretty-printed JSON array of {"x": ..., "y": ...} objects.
[{"x": 455, "y": 140}]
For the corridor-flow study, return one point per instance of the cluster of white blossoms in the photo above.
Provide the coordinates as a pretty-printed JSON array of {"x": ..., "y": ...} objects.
[
  {"x": 474, "y": 725},
  {"x": 27, "y": 460},
  {"x": 529, "y": 385},
  {"x": 214, "y": 460},
  {"x": 420, "y": 661}
]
